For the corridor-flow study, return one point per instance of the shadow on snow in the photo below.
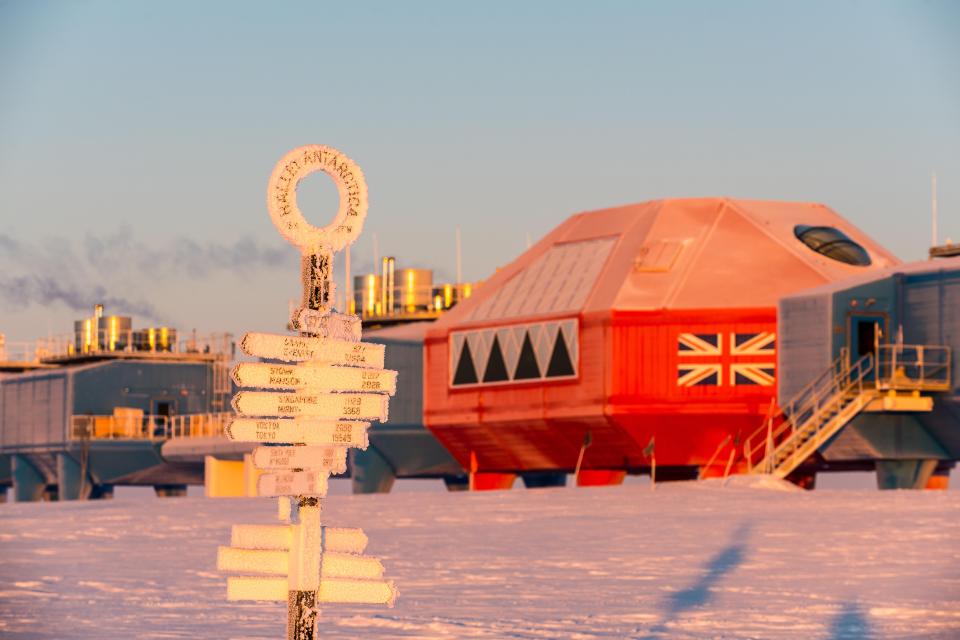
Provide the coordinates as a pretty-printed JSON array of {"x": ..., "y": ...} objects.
[
  {"x": 698, "y": 594},
  {"x": 850, "y": 624}
]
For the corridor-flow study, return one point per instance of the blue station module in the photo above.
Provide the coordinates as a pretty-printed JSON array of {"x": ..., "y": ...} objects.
[
  {"x": 95, "y": 411},
  {"x": 906, "y": 322},
  {"x": 402, "y": 447}
]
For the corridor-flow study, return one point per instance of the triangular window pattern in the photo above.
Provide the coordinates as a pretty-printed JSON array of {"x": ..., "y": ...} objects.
[
  {"x": 527, "y": 368},
  {"x": 466, "y": 372},
  {"x": 496, "y": 367},
  {"x": 560, "y": 365}
]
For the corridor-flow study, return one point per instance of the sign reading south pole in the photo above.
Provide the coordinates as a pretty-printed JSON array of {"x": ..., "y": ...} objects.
[{"x": 312, "y": 401}]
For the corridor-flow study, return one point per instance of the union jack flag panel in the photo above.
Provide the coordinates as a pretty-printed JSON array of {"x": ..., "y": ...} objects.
[
  {"x": 695, "y": 375},
  {"x": 754, "y": 344},
  {"x": 719, "y": 359},
  {"x": 700, "y": 344}
]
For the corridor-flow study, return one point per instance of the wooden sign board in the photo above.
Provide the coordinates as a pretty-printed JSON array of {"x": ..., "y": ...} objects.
[
  {"x": 331, "y": 459},
  {"x": 277, "y": 562},
  {"x": 315, "y": 377},
  {"x": 332, "y": 590},
  {"x": 299, "y": 431},
  {"x": 278, "y": 536},
  {"x": 293, "y": 483},
  {"x": 332, "y": 406},
  {"x": 303, "y": 349}
]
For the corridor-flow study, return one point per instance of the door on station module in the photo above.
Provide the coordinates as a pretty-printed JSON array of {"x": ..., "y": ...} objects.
[
  {"x": 865, "y": 332},
  {"x": 163, "y": 411}
]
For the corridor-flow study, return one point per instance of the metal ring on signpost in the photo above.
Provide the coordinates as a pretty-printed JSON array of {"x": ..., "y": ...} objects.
[{"x": 282, "y": 198}]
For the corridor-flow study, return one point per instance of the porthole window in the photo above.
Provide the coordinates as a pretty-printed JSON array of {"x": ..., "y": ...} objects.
[{"x": 832, "y": 243}]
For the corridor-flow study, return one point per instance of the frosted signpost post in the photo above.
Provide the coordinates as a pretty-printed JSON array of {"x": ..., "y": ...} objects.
[{"x": 311, "y": 402}]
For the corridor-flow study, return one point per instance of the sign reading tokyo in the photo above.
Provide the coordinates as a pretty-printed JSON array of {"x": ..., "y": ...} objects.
[{"x": 282, "y": 198}]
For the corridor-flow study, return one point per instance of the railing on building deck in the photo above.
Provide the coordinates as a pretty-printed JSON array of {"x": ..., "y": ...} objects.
[
  {"x": 913, "y": 367},
  {"x": 814, "y": 400},
  {"x": 104, "y": 342},
  {"x": 894, "y": 367},
  {"x": 148, "y": 427}
]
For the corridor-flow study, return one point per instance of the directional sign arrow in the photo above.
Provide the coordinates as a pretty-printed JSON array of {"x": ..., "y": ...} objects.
[
  {"x": 332, "y": 459},
  {"x": 278, "y": 536},
  {"x": 299, "y": 430},
  {"x": 315, "y": 377},
  {"x": 332, "y": 590},
  {"x": 303, "y": 483},
  {"x": 277, "y": 562},
  {"x": 333, "y": 406},
  {"x": 302, "y": 349}
]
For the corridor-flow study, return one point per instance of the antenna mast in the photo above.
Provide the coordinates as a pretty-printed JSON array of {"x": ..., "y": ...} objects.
[
  {"x": 459, "y": 271},
  {"x": 933, "y": 209}
]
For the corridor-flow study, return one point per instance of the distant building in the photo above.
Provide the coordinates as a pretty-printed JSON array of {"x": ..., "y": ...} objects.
[
  {"x": 87, "y": 411},
  {"x": 395, "y": 296}
]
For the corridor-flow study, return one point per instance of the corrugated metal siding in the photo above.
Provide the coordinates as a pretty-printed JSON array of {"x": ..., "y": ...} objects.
[
  {"x": 36, "y": 407},
  {"x": 931, "y": 312},
  {"x": 185, "y": 385},
  {"x": 8, "y": 425},
  {"x": 406, "y": 407},
  {"x": 805, "y": 341},
  {"x": 644, "y": 354},
  {"x": 34, "y": 410},
  {"x": 57, "y": 420}
]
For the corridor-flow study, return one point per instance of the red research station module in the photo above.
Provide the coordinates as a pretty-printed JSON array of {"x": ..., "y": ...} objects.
[{"x": 649, "y": 321}]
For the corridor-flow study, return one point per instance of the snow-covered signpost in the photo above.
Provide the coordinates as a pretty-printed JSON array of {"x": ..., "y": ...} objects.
[{"x": 313, "y": 400}]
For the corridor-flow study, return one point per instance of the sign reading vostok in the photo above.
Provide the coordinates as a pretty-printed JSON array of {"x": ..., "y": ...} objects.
[{"x": 310, "y": 401}]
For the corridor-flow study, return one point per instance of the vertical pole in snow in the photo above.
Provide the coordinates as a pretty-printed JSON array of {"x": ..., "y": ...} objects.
[
  {"x": 767, "y": 460},
  {"x": 473, "y": 470},
  {"x": 726, "y": 472},
  {"x": 650, "y": 451},
  {"x": 576, "y": 470},
  {"x": 303, "y": 579},
  {"x": 653, "y": 472},
  {"x": 587, "y": 441}
]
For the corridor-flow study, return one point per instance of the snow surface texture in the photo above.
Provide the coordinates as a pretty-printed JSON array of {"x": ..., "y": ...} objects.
[{"x": 691, "y": 560}]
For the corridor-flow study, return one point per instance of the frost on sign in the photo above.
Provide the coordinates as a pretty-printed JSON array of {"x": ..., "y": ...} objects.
[
  {"x": 282, "y": 198},
  {"x": 308, "y": 405},
  {"x": 300, "y": 430},
  {"x": 319, "y": 377}
]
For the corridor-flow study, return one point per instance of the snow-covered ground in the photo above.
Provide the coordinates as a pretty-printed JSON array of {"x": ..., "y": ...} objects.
[{"x": 686, "y": 561}]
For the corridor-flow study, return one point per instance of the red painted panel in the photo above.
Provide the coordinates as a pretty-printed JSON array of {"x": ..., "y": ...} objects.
[
  {"x": 493, "y": 481},
  {"x": 626, "y": 394},
  {"x": 600, "y": 477}
]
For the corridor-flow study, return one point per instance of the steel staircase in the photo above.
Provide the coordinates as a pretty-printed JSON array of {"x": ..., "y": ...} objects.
[{"x": 822, "y": 408}]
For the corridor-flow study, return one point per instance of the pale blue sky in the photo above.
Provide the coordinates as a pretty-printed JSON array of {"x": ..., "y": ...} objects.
[{"x": 136, "y": 138}]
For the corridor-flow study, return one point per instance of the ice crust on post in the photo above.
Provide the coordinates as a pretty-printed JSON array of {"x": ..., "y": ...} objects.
[{"x": 308, "y": 405}]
